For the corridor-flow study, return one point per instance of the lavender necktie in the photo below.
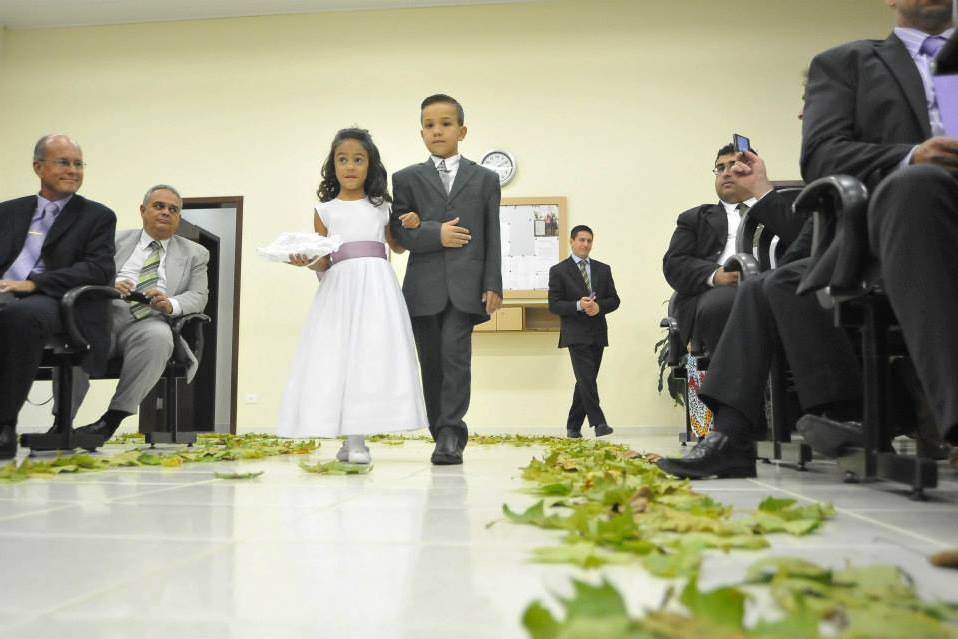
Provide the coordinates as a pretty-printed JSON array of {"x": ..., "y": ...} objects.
[
  {"x": 30, "y": 253},
  {"x": 931, "y": 46}
]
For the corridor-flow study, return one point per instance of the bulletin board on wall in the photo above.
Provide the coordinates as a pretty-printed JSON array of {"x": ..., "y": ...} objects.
[{"x": 532, "y": 230}]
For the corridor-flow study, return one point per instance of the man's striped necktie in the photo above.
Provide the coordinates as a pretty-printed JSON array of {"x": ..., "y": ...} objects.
[{"x": 149, "y": 276}]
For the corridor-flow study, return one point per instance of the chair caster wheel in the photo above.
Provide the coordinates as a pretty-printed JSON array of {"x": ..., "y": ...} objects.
[
  {"x": 850, "y": 478},
  {"x": 917, "y": 494},
  {"x": 801, "y": 468},
  {"x": 90, "y": 450},
  {"x": 766, "y": 460},
  {"x": 190, "y": 445},
  {"x": 152, "y": 445},
  {"x": 684, "y": 444}
]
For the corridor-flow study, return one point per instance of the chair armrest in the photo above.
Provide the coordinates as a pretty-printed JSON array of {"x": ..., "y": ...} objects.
[
  {"x": 675, "y": 352},
  {"x": 190, "y": 328},
  {"x": 743, "y": 263},
  {"x": 68, "y": 306},
  {"x": 838, "y": 205}
]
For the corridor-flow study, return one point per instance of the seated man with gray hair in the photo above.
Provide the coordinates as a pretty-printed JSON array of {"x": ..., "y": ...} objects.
[{"x": 167, "y": 273}]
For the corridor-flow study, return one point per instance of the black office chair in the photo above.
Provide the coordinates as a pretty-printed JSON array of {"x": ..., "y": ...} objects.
[
  {"x": 68, "y": 349},
  {"x": 847, "y": 279}
]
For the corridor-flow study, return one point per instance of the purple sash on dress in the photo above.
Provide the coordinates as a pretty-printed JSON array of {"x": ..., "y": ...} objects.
[{"x": 365, "y": 248}]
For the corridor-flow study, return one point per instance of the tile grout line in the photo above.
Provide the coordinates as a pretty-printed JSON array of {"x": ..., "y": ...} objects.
[{"x": 870, "y": 520}]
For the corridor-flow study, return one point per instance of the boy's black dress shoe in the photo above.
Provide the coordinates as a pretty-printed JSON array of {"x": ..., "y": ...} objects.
[
  {"x": 573, "y": 433},
  {"x": 8, "y": 442},
  {"x": 601, "y": 430},
  {"x": 100, "y": 428},
  {"x": 715, "y": 456},
  {"x": 447, "y": 451}
]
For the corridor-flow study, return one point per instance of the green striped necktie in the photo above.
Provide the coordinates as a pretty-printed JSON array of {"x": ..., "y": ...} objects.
[{"x": 149, "y": 276}]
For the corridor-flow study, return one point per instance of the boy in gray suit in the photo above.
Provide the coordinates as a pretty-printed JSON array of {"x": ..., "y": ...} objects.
[{"x": 454, "y": 275}]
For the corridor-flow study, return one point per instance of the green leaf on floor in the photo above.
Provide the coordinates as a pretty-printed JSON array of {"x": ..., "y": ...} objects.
[
  {"x": 336, "y": 467},
  {"x": 250, "y": 475}
]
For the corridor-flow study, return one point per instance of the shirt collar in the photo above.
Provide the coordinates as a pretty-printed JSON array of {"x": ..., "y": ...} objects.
[
  {"x": 578, "y": 259},
  {"x": 452, "y": 162},
  {"x": 731, "y": 207},
  {"x": 61, "y": 204},
  {"x": 146, "y": 238},
  {"x": 914, "y": 38}
]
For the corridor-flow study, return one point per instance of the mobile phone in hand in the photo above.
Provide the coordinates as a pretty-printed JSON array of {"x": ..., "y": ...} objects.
[
  {"x": 740, "y": 143},
  {"x": 137, "y": 296}
]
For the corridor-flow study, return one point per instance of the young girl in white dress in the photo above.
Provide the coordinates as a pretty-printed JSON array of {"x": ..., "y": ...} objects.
[{"x": 355, "y": 372}]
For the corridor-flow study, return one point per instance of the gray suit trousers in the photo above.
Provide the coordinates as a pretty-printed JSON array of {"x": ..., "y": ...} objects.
[{"x": 145, "y": 346}]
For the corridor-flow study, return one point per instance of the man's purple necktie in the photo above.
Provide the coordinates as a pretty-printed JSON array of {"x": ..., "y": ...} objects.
[
  {"x": 932, "y": 45},
  {"x": 30, "y": 254}
]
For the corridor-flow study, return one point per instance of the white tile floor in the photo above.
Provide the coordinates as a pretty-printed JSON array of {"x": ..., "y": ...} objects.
[{"x": 406, "y": 551}]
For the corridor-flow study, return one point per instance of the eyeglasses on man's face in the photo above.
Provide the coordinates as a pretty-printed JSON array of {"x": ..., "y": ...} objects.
[
  {"x": 722, "y": 168},
  {"x": 66, "y": 164}
]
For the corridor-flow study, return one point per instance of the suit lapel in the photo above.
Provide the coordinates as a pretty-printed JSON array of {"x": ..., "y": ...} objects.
[
  {"x": 19, "y": 225},
  {"x": 175, "y": 259},
  {"x": 896, "y": 57},
  {"x": 467, "y": 169},
  {"x": 718, "y": 220},
  {"x": 431, "y": 173},
  {"x": 124, "y": 248},
  {"x": 66, "y": 219}
]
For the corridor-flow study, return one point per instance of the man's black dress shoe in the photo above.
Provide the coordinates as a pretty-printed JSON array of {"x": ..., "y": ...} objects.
[
  {"x": 716, "y": 455},
  {"x": 601, "y": 430},
  {"x": 99, "y": 428},
  {"x": 447, "y": 451},
  {"x": 8, "y": 442},
  {"x": 573, "y": 433},
  {"x": 830, "y": 437}
]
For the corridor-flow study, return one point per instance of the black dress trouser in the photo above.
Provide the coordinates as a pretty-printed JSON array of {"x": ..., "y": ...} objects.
[
  {"x": 913, "y": 230},
  {"x": 767, "y": 310},
  {"x": 25, "y": 326},
  {"x": 586, "y": 360}
]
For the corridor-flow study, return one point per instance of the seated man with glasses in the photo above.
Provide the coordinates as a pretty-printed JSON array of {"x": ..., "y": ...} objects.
[
  {"x": 170, "y": 272},
  {"x": 704, "y": 238},
  {"x": 49, "y": 243}
]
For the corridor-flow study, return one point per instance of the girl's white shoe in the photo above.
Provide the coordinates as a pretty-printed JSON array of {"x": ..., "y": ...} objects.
[{"x": 354, "y": 451}]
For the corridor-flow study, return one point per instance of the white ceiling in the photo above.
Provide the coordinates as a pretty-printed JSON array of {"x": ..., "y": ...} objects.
[{"x": 33, "y": 14}]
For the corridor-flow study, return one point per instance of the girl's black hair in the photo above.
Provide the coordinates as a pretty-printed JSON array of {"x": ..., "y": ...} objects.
[{"x": 375, "y": 185}]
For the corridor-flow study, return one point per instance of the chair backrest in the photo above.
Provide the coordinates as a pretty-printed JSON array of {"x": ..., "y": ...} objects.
[{"x": 755, "y": 239}]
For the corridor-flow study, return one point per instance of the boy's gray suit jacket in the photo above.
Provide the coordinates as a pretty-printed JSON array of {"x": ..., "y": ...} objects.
[
  {"x": 436, "y": 275},
  {"x": 186, "y": 278}
]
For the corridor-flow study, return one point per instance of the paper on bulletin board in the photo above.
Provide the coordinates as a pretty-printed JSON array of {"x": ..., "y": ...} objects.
[{"x": 530, "y": 245}]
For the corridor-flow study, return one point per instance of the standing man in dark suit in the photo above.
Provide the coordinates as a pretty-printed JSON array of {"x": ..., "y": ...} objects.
[
  {"x": 867, "y": 113},
  {"x": 705, "y": 237},
  {"x": 49, "y": 243},
  {"x": 454, "y": 275},
  {"x": 582, "y": 293}
]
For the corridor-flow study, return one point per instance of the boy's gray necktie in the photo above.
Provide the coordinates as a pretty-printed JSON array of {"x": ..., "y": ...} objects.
[{"x": 445, "y": 176}]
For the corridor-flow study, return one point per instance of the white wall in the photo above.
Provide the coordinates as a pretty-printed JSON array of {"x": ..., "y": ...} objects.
[{"x": 619, "y": 105}]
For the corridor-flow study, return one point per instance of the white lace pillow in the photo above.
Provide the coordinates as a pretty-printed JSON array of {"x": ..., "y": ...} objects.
[{"x": 312, "y": 245}]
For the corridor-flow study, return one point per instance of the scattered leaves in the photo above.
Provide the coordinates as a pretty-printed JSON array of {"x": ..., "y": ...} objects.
[{"x": 250, "y": 475}]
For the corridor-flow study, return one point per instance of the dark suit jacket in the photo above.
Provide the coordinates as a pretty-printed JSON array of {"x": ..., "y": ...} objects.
[
  {"x": 77, "y": 250},
  {"x": 864, "y": 111},
  {"x": 436, "y": 275},
  {"x": 566, "y": 287},
  {"x": 699, "y": 240}
]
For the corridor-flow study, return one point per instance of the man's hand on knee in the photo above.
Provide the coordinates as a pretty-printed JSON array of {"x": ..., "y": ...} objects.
[
  {"x": 23, "y": 287},
  {"x": 940, "y": 150}
]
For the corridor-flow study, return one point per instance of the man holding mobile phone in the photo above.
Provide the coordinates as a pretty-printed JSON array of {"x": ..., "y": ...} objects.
[{"x": 582, "y": 293}]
